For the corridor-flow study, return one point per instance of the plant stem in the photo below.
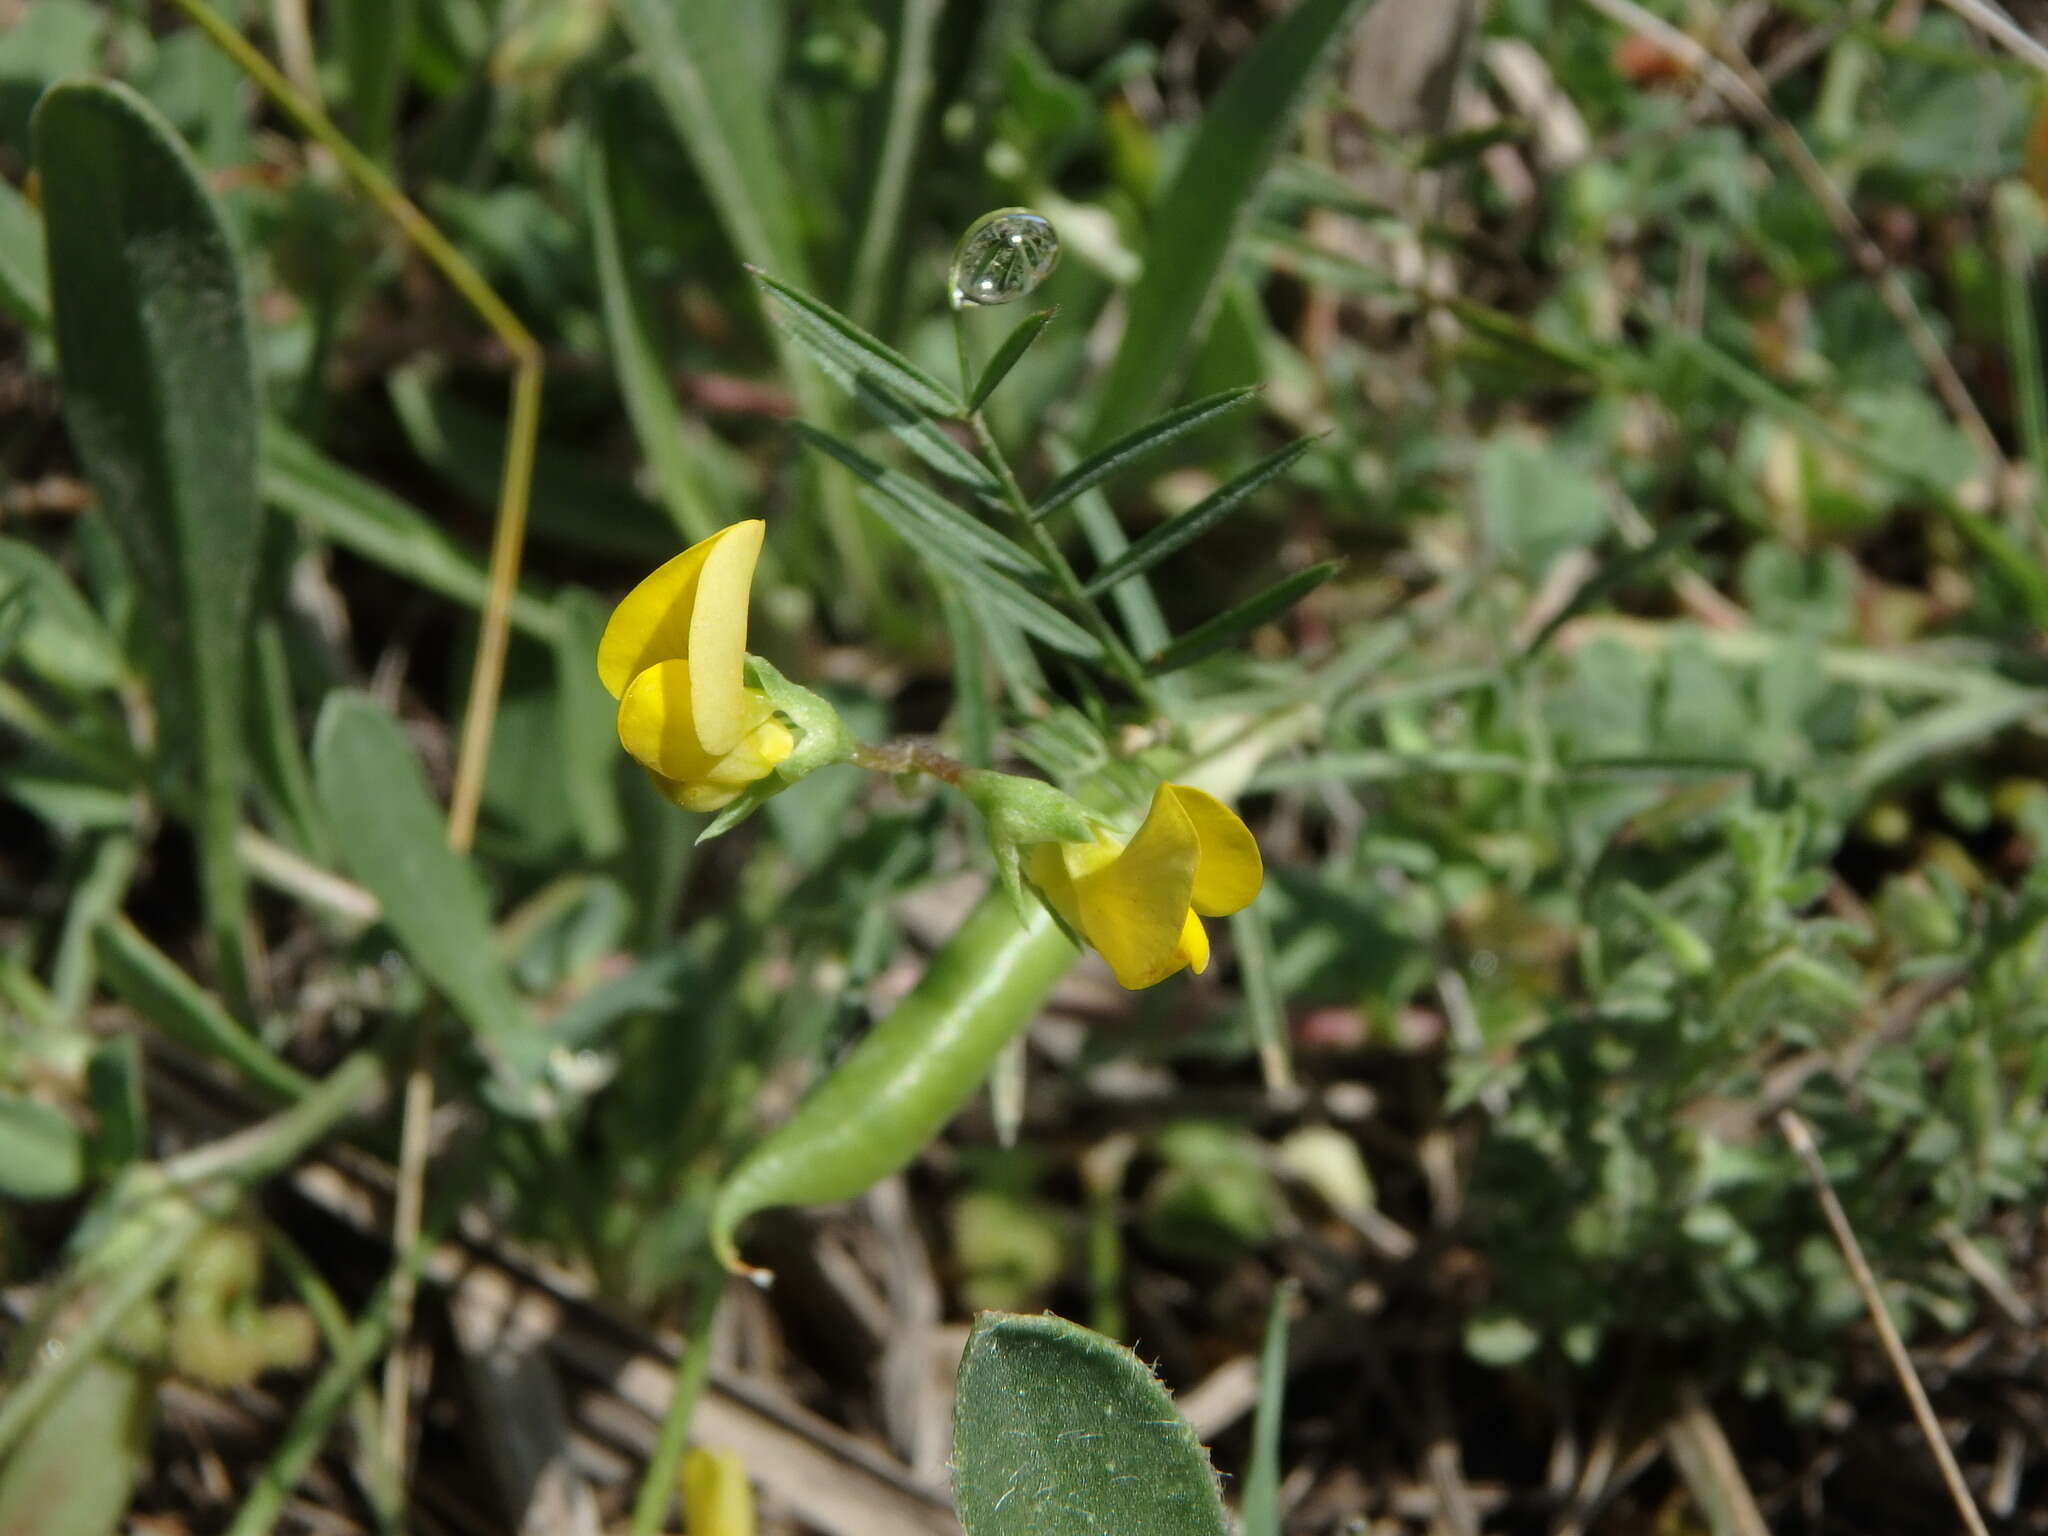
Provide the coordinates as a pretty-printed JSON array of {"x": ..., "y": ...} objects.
[
  {"x": 909, "y": 757},
  {"x": 658, "y": 1486},
  {"x": 1056, "y": 564}
]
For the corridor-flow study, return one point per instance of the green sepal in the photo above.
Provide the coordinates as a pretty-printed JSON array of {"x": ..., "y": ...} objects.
[
  {"x": 1021, "y": 813},
  {"x": 822, "y": 740}
]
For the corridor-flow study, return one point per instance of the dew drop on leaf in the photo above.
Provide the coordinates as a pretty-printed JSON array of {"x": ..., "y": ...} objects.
[{"x": 1003, "y": 256}]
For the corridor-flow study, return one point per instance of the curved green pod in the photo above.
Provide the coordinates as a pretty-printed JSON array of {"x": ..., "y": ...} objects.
[{"x": 901, "y": 1084}]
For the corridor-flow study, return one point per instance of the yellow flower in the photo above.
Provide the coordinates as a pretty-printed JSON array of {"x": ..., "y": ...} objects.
[
  {"x": 1142, "y": 903},
  {"x": 674, "y": 655}
]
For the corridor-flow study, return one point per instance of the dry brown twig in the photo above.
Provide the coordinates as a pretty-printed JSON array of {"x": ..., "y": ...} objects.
[{"x": 1800, "y": 1138}]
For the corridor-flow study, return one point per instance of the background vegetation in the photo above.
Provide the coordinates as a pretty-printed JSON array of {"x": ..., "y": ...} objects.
[{"x": 1661, "y": 773}]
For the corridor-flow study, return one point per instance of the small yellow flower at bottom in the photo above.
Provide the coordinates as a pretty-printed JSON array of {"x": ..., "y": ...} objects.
[
  {"x": 716, "y": 1498},
  {"x": 1141, "y": 903},
  {"x": 674, "y": 655}
]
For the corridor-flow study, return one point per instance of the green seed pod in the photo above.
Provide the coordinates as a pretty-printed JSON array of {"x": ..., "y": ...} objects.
[{"x": 901, "y": 1084}]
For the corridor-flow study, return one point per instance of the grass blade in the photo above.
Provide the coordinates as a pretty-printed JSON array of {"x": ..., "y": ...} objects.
[
  {"x": 433, "y": 901},
  {"x": 1155, "y": 434},
  {"x": 1260, "y": 1508},
  {"x": 967, "y": 536},
  {"x": 1014, "y": 346},
  {"x": 701, "y": 68},
  {"x": 153, "y": 341},
  {"x": 304, "y": 483},
  {"x": 1202, "y": 216},
  {"x": 1207, "y": 639},
  {"x": 846, "y": 352},
  {"x": 371, "y": 38},
  {"x": 1179, "y": 532},
  {"x": 144, "y": 977},
  {"x": 910, "y": 92},
  {"x": 643, "y": 383}
]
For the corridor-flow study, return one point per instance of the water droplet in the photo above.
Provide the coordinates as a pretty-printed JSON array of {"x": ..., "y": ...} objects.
[{"x": 1003, "y": 256}]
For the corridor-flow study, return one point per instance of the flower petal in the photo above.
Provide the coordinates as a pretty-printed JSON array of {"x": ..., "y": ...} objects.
[
  {"x": 1230, "y": 871},
  {"x": 1135, "y": 907},
  {"x": 655, "y": 724},
  {"x": 718, "y": 635},
  {"x": 1193, "y": 949},
  {"x": 654, "y": 621},
  {"x": 1048, "y": 871}
]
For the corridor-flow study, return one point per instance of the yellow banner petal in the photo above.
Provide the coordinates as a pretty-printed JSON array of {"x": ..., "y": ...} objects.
[
  {"x": 1230, "y": 871},
  {"x": 653, "y": 622},
  {"x": 718, "y": 635}
]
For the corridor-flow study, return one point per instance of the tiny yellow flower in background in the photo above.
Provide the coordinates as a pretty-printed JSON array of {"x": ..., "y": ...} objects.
[
  {"x": 674, "y": 655},
  {"x": 716, "y": 1498},
  {"x": 1141, "y": 903}
]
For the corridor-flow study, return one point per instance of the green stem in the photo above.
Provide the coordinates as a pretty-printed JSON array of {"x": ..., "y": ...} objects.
[
  {"x": 1062, "y": 572},
  {"x": 657, "y": 1488}
]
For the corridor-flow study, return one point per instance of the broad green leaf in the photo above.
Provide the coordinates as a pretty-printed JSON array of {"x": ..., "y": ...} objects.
[
  {"x": 42, "y": 1154},
  {"x": 147, "y": 980},
  {"x": 1536, "y": 502},
  {"x": 393, "y": 840},
  {"x": 1014, "y": 346},
  {"x": 849, "y": 354},
  {"x": 1156, "y": 434},
  {"x": 1200, "y": 222},
  {"x": 1258, "y": 609},
  {"x": 965, "y": 534},
  {"x": 1058, "y": 1431},
  {"x": 160, "y": 392},
  {"x": 1183, "y": 530},
  {"x": 643, "y": 382},
  {"x": 24, "y": 275},
  {"x": 73, "y": 1473},
  {"x": 304, "y": 483}
]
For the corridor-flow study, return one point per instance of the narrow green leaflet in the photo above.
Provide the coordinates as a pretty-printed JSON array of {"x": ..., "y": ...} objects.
[
  {"x": 643, "y": 382},
  {"x": 153, "y": 341},
  {"x": 1207, "y": 639},
  {"x": 1126, "y": 450},
  {"x": 1058, "y": 1431},
  {"x": 1014, "y": 346},
  {"x": 303, "y": 483},
  {"x": 1183, "y": 530},
  {"x": 967, "y": 535},
  {"x": 847, "y": 352},
  {"x": 1618, "y": 573},
  {"x": 393, "y": 841},
  {"x": 921, "y": 435},
  {"x": 1200, "y": 222}
]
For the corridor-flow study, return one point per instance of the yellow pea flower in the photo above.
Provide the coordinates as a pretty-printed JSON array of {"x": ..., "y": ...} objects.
[
  {"x": 1141, "y": 903},
  {"x": 674, "y": 655},
  {"x": 716, "y": 1498}
]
